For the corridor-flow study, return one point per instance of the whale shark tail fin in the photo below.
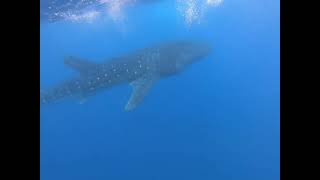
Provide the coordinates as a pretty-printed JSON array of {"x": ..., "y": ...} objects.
[{"x": 43, "y": 97}]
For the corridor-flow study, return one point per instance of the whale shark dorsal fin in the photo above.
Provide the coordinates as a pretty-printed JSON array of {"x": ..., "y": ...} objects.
[
  {"x": 78, "y": 64},
  {"x": 141, "y": 87}
]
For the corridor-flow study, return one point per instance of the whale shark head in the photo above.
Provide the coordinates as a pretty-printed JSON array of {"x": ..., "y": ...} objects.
[{"x": 191, "y": 52}]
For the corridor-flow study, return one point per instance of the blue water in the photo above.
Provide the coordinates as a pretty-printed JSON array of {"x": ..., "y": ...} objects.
[{"x": 217, "y": 120}]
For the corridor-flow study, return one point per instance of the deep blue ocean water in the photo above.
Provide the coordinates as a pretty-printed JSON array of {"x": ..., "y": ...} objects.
[{"x": 219, "y": 119}]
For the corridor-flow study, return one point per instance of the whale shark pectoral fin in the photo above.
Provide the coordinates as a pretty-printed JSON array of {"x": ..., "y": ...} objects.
[
  {"x": 82, "y": 100},
  {"x": 141, "y": 87},
  {"x": 80, "y": 65}
]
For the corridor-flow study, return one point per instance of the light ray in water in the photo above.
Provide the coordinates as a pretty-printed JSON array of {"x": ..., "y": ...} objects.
[{"x": 193, "y": 10}]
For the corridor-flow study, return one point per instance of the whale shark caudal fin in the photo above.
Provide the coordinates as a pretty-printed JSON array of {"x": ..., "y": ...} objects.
[
  {"x": 141, "y": 87},
  {"x": 42, "y": 95},
  {"x": 80, "y": 65}
]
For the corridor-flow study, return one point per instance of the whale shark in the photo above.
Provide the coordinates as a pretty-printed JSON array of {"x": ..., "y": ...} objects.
[{"x": 141, "y": 69}]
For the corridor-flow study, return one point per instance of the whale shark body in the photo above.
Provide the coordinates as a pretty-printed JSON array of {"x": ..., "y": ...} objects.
[{"x": 141, "y": 69}]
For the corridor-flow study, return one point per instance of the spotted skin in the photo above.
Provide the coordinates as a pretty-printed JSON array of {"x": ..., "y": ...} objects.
[{"x": 140, "y": 69}]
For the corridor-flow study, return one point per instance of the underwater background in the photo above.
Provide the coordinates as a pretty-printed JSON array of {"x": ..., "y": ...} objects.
[{"x": 219, "y": 119}]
